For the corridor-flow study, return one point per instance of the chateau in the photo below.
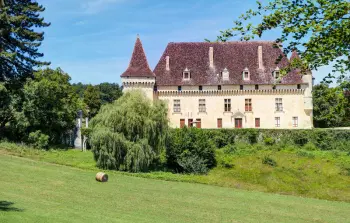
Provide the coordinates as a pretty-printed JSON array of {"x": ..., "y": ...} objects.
[{"x": 224, "y": 85}]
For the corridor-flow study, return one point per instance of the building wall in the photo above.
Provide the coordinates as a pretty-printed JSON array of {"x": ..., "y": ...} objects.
[
  {"x": 263, "y": 107},
  {"x": 296, "y": 103},
  {"x": 145, "y": 84}
]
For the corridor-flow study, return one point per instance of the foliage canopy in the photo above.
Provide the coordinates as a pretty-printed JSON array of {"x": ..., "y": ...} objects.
[
  {"x": 130, "y": 133},
  {"x": 319, "y": 30}
]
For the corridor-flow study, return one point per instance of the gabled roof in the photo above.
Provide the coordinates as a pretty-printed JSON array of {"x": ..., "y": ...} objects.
[
  {"x": 138, "y": 66},
  {"x": 235, "y": 56}
]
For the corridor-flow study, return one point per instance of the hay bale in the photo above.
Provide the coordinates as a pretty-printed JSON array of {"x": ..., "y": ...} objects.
[{"x": 101, "y": 177}]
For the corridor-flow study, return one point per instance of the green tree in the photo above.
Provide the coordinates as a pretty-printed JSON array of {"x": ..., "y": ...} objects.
[
  {"x": 49, "y": 105},
  {"x": 20, "y": 39},
  {"x": 129, "y": 134},
  {"x": 330, "y": 106},
  {"x": 79, "y": 88},
  {"x": 92, "y": 100},
  {"x": 318, "y": 29},
  {"x": 109, "y": 92}
]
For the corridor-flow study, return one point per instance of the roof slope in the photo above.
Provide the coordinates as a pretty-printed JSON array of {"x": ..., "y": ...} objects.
[
  {"x": 235, "y": 56},
  {"x": 138, "y": 66}
]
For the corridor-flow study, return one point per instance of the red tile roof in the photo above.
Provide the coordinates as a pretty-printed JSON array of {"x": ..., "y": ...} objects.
[
  {"x": 235, "y": 56},
  {"x": 138, "y": 66},
  {"x": 295, "y": 55}
]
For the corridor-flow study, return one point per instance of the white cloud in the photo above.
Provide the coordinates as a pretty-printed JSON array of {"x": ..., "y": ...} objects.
[
  {"x": 96, "y": 6},
  {"x": 79, "y": 23}
]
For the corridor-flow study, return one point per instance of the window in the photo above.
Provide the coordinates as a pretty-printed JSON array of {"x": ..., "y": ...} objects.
[
  {"x": 248, "y": 104},
  {"x": 274, "y": 87},
  {"x": 219, "y": 123},
  {"x": 238, "y": 123},
  {"x": 182, "y": 123},
  {"x": 219, "y": 88},
  {"x": 177, "y": 107},
  {"x": 256, "y": 87},
  {"x": 295, "y": 121},
  {"x": 198, "y": 123},
  {"x": 227, "y": 105},
  {"x": 155, "y": 89},
  {"x": 241, "y": 87},
  {"x": 186, "y": 74},
  {"x": 257, "y": 122},
  {"x": 279, "y": 105},
  {"x": 277, "y": 122},
  {"x": 277, "y": 75},
  {"x": 298, "y": 86},
  {"x": 225, "y": 75},
  {"x": 220, "y": 75},
  {"x": 201, "y": 107},
  {"x": 190, "y": 122},
  {"x": 179, "y": 88},
  {"x": 246, "y": 75},
  {"x": 200, "y": 88}
]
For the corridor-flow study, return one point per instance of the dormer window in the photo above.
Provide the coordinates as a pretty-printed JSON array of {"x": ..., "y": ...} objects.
[
  {"x": 225, "y": 75},
  {"x": 186, "y": 74},
  {"x": 246, "y": 74},
  {"x": 276, "y": 74}
]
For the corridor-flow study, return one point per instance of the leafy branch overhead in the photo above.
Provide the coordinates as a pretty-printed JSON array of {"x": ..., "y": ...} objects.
[
  {"x": 20, "y": 38},
  {"x": 318, "y": 29}
]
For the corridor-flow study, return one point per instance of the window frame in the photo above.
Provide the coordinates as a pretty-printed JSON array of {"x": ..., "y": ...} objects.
[
  {"x": 179, "y": 88},
  {"x": 186, "y": 73},
  {"x": 219, "y": 123},
  {"x": 256, "y": 87},
  {"x": 202, "y": 105},
  {"x": 200, "y": 88},
  {"x": 248, "y": 105},
  {"x": 257, "y": 120},
  {"x": 279, "y": 104},
  {"x": 277, "y": 122},
  {"x": 227, "y": 105},
  {"x": 219, "y": 87},
  {"x": 241, "y": 88},
  {"x": 295, "y": 121},
  {"x": 177, "y": 106}
]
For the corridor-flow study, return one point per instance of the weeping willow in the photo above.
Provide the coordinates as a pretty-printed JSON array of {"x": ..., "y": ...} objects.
[{"x": 130, "y": 133}]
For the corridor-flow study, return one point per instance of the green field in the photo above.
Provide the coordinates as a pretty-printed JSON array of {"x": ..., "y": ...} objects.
[{"x": 35, "y": 191}]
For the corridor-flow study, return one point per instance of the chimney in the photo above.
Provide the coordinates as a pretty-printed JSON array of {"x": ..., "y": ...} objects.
[
  {"x": 260, "y": 57},
  {"x": 211, "y": 57},
  {"x": 167, "y": 66}
]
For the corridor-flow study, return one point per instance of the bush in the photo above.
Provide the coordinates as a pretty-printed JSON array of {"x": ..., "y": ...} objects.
[
  {"x": 39, "y": 140},
  {"x": 310, "y": 146},
  {"x": 193, "y": 164},
  {"x": 269, "y": 141},
  {"x": 189, "y": 144},
  {"x": 269, "y": 161}
]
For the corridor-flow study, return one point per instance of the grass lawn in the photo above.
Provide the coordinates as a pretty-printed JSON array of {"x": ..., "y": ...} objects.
[
  {"x": 44, "y": 192},
  {"x": 315, "y": 174}
]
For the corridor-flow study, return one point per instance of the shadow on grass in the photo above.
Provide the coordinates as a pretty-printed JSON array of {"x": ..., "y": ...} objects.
[{"x": 7, "y": 206}]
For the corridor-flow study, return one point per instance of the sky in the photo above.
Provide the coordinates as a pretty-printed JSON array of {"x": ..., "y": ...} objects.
[{"x": 92, "y": 40}]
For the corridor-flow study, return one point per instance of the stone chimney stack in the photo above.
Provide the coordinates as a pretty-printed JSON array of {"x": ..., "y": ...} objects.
[
  {"x": 260, "y": 57},
  {"x": 167, "y": 66},
  {"x": 211, "y": 57}
]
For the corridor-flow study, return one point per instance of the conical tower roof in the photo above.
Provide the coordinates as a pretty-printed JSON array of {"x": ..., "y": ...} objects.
[
  {"x": 138, "y": 66},
  {"x": 295, "y": 55}
]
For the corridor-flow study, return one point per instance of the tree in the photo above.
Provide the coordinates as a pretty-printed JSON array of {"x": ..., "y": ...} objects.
[
  {"x": 109, "y": 92},
  {"x": 92, "y": 100},
  {"x": 129, "y": 134},
  {"x": 20, "y": 39},
  {"x": 319, "y": 30},
  {"x": 330, "y": 106},
  {"x": 49, "y": 105}
]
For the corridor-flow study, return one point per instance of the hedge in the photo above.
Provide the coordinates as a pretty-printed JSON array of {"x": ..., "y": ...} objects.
[{"x": 323, "y": 139}]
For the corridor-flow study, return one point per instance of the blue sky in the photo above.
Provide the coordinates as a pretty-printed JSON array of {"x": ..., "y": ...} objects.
[{"x": 92, "y": 40}]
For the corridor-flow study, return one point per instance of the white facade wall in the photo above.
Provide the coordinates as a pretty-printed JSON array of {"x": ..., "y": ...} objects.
[
  {"x": 146, "y": 84},
  {"x": 263, "y": 107},
  {"x": 296, "y": 103}
]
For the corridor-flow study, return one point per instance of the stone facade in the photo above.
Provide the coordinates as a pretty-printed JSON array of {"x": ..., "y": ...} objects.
[{"x": 238, "y": 87}]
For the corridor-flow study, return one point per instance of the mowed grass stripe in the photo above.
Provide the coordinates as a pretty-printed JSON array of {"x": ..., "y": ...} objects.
[{"x": 53, "y": 193}]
